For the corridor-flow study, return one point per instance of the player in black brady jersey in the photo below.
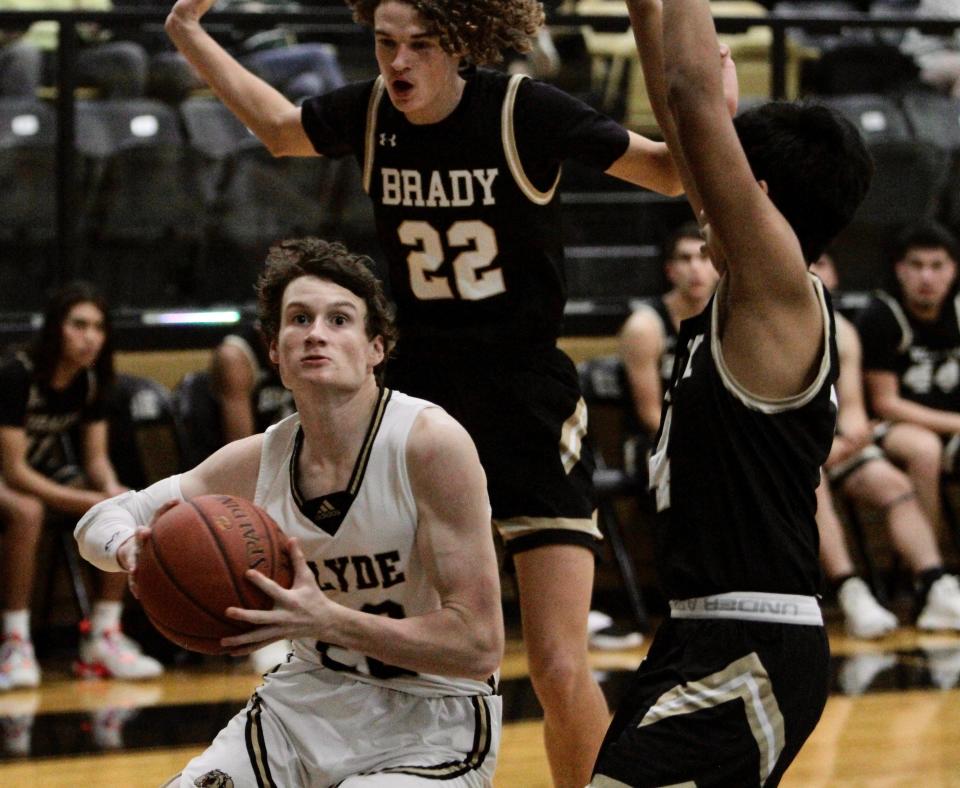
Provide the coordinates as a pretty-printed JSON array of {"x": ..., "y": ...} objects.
[
  {"x": 736, "y": 677},
  {"x": 911, "y": 362},
  {"x": 462, "y": 165},
  {"x": 53, "y": 447}
]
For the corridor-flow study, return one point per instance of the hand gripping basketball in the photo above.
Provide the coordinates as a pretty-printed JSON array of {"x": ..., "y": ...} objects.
[{"x": 192, "y": 565}]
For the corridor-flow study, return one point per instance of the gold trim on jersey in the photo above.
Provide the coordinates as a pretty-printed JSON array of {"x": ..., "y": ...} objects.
[
  {"x": 515, "y": 527},
  {"x": 745, "y": 679},
  {"x": 359, "y": 467},
  {"x": 257, "y": 746},
  {"x": 531, "y": 192},
  {"x": 571, "y": 436},
  {"x": 364, "y": 458},
  {"x": 371, "y": 145},
  {"x": 482, "y": 740},
  {"x": 906, "y": 331},
  {"x": 765, "y": 404}
]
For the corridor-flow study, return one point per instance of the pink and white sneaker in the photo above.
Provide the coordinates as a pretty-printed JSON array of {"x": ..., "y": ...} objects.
[{"x": 112, "y": 655}]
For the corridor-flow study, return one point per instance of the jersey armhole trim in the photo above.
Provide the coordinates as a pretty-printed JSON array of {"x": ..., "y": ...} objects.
[
  {"x": 906, "y": 332},
  {"x": 764, "y": 404},
  {"x": 376, "y": 96},
  {"x": 507, "y": 132}
]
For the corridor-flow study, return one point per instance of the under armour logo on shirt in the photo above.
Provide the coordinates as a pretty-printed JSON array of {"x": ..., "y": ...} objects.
[{"x": 388, "y": 138}]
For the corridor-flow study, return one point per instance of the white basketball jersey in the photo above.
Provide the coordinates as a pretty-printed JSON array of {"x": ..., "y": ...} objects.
[{"x": 361, "y": 543}]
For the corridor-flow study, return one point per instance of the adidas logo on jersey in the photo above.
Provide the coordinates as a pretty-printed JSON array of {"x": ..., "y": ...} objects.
[{"x": 325, "y": 511}]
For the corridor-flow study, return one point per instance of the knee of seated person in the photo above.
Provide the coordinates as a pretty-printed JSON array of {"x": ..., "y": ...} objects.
[
  {"x": 880, "y": 483},
  {"x": 924, "y": 450},
  {"x": 24, "y": 512}
]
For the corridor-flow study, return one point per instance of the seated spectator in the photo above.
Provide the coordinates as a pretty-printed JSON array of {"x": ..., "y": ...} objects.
[
  {"x": 53, "y": 447},
  {"x": 858, "y": 469},
  {"x": 247, "y": 385},
  {"x": 649, "y": 335},
  {"x": 911, "y": 363},
  {"x": 938, "y": 57},
  {"x": 117, "y": 69}
]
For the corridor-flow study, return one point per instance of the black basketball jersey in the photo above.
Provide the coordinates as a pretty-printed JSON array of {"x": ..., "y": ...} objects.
[
  {"x": 735, "y": 475},
  {"x": 670, "y": 335},
  {"x": 925, "y": 356},
  {"x": 467, "y": 209},
  {"x": 50, "y": 417}
]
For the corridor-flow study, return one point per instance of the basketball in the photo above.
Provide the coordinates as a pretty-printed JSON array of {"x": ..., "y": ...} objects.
[{"x": 192, "y": 568}]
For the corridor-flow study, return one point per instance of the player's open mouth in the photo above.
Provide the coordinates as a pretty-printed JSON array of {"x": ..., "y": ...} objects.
[{"x": 401, "y": 87}]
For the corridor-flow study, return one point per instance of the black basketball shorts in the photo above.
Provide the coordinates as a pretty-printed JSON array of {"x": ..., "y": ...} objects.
[
  {"x": 528, "y": 421},
  {"x": 717, "y": 703}
]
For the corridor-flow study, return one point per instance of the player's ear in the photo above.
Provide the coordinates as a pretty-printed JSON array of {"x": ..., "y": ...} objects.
[
  {"x": 765, "y": 188},
  {"x": 376, "y": 353},
  {"x": 274, "y": 354}
]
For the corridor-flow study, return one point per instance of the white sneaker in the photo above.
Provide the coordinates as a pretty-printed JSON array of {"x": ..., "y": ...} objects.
[
  {"x": 18, "y": 665},
  {"x": 858, "y": 671},
  {"x": 864, "y": 617},
  {"x": 606, "y": 635},
  {"x": 942, "y": 607},
  {"x": 944, "y": 666},
  {"x": 111, "y": 654},
  {"x": 267, "y": 658}
]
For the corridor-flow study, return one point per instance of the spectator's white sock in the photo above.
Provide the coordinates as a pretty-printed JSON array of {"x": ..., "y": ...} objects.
[
  {"x": 105, "y": 616},
  {"x": 17, "y": 622}
]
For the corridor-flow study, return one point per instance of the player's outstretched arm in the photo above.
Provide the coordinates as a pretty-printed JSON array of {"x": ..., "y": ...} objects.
[
  {"x": 464, "y": 638},
  {"x": 262, "y": 109},
  {"x": 772, "y": 322},
  {"x": 105, "y": 534}
]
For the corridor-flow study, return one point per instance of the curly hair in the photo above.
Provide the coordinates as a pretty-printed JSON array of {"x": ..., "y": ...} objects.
[
  {"x": 291, "y": 259},
  {"x": 479, "y": 30}
]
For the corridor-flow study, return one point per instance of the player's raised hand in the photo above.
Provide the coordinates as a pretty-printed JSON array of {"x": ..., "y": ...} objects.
[
  {"x": 184, "y": 11},
  {"x": 300, "y": 611}
]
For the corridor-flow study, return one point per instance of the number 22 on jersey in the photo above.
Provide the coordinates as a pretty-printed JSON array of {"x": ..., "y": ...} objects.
[{"x": 472, "y": 273}]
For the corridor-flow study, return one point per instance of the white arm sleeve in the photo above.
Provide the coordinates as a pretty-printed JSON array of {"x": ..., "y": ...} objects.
[{"x": 110, "y": 523}]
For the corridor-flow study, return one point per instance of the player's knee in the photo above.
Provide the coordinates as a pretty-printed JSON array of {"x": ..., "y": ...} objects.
[
  {"x": 883, "y": 482},
  {"x": 24, "y": 521},
  {"x": 556, "y": 673},
  {"x": 926, "y": 452}
]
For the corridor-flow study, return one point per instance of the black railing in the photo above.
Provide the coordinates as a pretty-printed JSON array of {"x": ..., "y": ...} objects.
[{"x": 336, "y": 21}]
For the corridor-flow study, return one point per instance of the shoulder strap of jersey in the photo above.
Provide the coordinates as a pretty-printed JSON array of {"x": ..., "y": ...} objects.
[
  {"x": 376, "y": 95},
  {"x": 906, "y": 332},
  {"x": 507, "y": 133}
]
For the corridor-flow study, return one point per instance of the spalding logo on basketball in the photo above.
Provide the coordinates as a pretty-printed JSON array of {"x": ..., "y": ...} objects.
[{"x": 193, "y": 567}]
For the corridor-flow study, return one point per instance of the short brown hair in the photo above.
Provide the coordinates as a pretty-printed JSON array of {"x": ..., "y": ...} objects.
[
  {"x": 293, "y": 258},
  {"x": 479, "y": 30}
]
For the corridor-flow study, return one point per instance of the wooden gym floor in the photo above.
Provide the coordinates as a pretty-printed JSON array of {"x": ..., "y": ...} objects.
[{"x": 893, "y": 720}]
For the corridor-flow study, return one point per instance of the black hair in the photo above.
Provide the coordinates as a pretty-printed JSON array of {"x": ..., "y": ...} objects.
[
  {"x": 814, "y": 162},
  {"x": 47, "y": 347},
  {"x": 688, "y": 229}
]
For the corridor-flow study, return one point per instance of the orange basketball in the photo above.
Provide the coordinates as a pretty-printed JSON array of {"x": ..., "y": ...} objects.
[{"x": 192, "y": 568}]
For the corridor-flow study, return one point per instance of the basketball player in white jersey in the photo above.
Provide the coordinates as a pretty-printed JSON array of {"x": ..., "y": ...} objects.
[{"x": 395, "y": 607}]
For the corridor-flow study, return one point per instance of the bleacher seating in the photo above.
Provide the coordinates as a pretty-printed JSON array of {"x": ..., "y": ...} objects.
[
  {"x": 28, "y": 209},
  {"x": 147, "y": 214}
]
